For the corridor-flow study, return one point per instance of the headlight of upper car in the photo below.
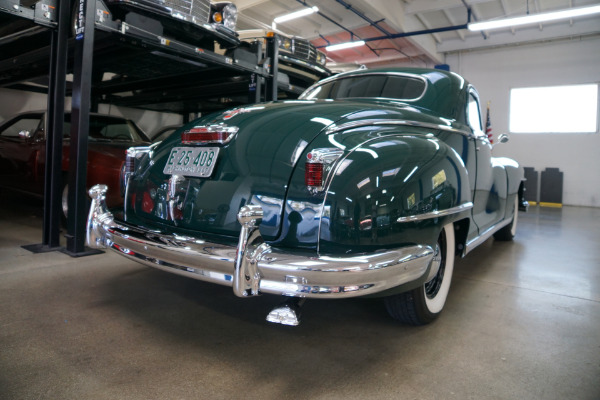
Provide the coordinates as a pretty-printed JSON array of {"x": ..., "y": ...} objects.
[
  {"x": 225, "y": 13},
  {"x": 286, "y": 44},
  {"x": 321, "y": 58},
  {"x": 230, "y": 15}
]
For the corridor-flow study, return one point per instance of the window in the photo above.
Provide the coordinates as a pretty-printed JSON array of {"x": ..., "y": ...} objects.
[
  {"x": 554, "y": 109},
  {"x": 105, "y": 128},
  {"x": 385, "y": 86},
  {"x": 28, "y": 123},
  {"x": 474, "y": 115}
]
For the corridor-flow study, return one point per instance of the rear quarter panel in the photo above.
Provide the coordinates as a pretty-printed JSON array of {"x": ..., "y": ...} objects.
[{"x": 384, "y": 174}]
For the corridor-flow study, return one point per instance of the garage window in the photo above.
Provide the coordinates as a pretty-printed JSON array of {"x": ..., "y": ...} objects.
[{"x": 554, "y": 109}]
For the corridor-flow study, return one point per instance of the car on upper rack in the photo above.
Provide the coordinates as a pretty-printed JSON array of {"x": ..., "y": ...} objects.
[
  {"x": 200, "y": 22},
  {"x": 23, "y": 153},
  {"x": 300, "y": 63},
  {"x": 369, "y": 185}
]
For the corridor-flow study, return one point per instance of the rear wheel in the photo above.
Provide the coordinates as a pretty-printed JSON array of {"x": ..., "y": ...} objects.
[{"x": 423, "y": 305}]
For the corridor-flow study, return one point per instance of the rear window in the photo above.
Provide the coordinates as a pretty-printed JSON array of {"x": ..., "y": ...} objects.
[
  {"x": 397, "y": 87},
  {"x": 105, "y": 128}
]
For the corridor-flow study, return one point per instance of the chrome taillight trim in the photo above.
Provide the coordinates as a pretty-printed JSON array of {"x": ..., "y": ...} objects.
[
  {"x": 228, "y": 133},
  {"x": 326, "y": 156}
]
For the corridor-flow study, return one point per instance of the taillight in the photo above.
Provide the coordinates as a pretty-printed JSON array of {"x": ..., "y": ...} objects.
[
  {"x": 219, "y": 134},
  {"x": 318, "y": 164},
  {"x": 314, "y": 175},
  {"x": 147, "y": 199},
  {"x": 127, "y": 169},
  {"x": 123, "y": 178},
  {"x": 147, "y": 203},
  {"x": 129, "y": 164}
]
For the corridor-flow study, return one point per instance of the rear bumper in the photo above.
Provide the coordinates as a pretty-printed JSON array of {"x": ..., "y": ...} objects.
[{"x": 253, "y": 267}]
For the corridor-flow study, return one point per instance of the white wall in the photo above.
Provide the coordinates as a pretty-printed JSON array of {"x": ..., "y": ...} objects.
[
  {"x": 494, "y": 72},
  {"x": 15, "y": 101}
]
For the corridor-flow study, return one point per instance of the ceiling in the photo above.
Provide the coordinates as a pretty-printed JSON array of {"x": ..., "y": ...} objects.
[{"x": 339, "y": 20}]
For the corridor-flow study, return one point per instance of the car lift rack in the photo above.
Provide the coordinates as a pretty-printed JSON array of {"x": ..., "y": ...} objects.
[{"x": 115, "y": 63}]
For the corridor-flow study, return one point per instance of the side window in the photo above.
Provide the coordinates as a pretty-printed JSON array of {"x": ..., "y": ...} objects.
[
  {"x": 474, "y": 115},
  {"x": 25, "y": 123}
]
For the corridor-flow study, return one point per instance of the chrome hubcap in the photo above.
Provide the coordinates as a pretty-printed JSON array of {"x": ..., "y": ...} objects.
[
  {"x": 436, "y": 262},
  {"x": 436, "y": 275}
]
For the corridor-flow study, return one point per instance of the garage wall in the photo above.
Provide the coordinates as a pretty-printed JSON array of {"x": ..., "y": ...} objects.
[
  {"x": 494, "y": 72},
  {"x": 15, "y": 101}
]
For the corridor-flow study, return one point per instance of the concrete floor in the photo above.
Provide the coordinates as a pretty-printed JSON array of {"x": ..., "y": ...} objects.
[{"x": 522, "y": 322}]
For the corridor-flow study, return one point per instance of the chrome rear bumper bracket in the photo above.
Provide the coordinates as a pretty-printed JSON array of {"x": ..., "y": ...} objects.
[{"x": 251, "y": 249}]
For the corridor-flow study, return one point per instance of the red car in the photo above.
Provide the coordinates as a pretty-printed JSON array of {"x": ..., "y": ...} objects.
[{"x": 23, "y": 152}]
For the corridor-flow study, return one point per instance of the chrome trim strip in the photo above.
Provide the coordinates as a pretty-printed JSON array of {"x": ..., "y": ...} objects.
[
  {"x": 437, "y": 213},
  {"x": 264, "y": 269},
  {"x": 378, "y": 122},
  {"x": 485, "y": 236}
]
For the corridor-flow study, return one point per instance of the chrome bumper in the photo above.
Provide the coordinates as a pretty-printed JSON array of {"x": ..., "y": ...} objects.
[{"x": 254, "y": 267}]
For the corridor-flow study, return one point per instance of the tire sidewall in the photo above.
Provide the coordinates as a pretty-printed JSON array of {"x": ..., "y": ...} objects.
[{"x": 432, "y": 307}]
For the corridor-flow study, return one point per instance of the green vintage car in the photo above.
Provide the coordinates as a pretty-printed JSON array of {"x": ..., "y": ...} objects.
[{"x": 369, "y": 185}]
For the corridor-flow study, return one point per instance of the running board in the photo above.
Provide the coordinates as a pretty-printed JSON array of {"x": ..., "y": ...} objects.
[{"x": 485, "y": 236}]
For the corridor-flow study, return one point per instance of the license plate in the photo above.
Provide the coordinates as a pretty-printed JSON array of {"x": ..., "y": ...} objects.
[{"x": 192, "y": 161}]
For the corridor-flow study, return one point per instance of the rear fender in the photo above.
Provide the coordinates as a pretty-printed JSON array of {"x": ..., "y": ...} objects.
[
  {"x": 382, "y": 188},
  {"x": 514, "y": 177},
  {"x": 383, "y": 176}
]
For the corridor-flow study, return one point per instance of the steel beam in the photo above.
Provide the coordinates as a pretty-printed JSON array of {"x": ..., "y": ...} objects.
[
  {"x": 54, "y": 134},
  {"x": 80, "y": 111}
]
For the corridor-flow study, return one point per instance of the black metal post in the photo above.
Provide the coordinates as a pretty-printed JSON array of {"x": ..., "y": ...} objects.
[
  {"x": 255, "y": 86},
  {"x": 80, "y": 111},
  {"x": 273, "y": 55},
  {"x": 54, "y": 134}
]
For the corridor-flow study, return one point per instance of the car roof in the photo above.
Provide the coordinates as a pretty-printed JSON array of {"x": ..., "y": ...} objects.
[{"x": 444, "y": 89}]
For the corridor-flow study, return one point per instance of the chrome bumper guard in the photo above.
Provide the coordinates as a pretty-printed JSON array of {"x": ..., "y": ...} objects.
[{"x": 254, "y": 267}]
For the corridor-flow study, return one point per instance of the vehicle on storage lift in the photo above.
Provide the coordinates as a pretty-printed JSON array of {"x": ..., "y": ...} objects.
[
  {"x": 23, "y": 153},
  {"x": 300, "y": 63},
  {"x": 199, "y": 22},
  {"x": 369, "y": 185}
]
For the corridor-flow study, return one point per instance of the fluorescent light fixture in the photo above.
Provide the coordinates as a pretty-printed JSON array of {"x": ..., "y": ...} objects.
[
  {"x": 346, "y": 45},
  {"x": 534, "y": 19},
  {"x": 296, "y": 14}
]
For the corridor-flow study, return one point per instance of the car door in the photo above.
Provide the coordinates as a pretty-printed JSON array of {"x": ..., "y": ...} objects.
[
  {"x": 22, "y": 153},
  {"x": 489, "y": 198}
]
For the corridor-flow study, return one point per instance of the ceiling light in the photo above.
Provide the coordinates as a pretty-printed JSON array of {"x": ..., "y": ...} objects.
[
  {"x": 533, "y": 19},
  {"x": 346, "y": 45},
  {"x": 297, "y": 14}
]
